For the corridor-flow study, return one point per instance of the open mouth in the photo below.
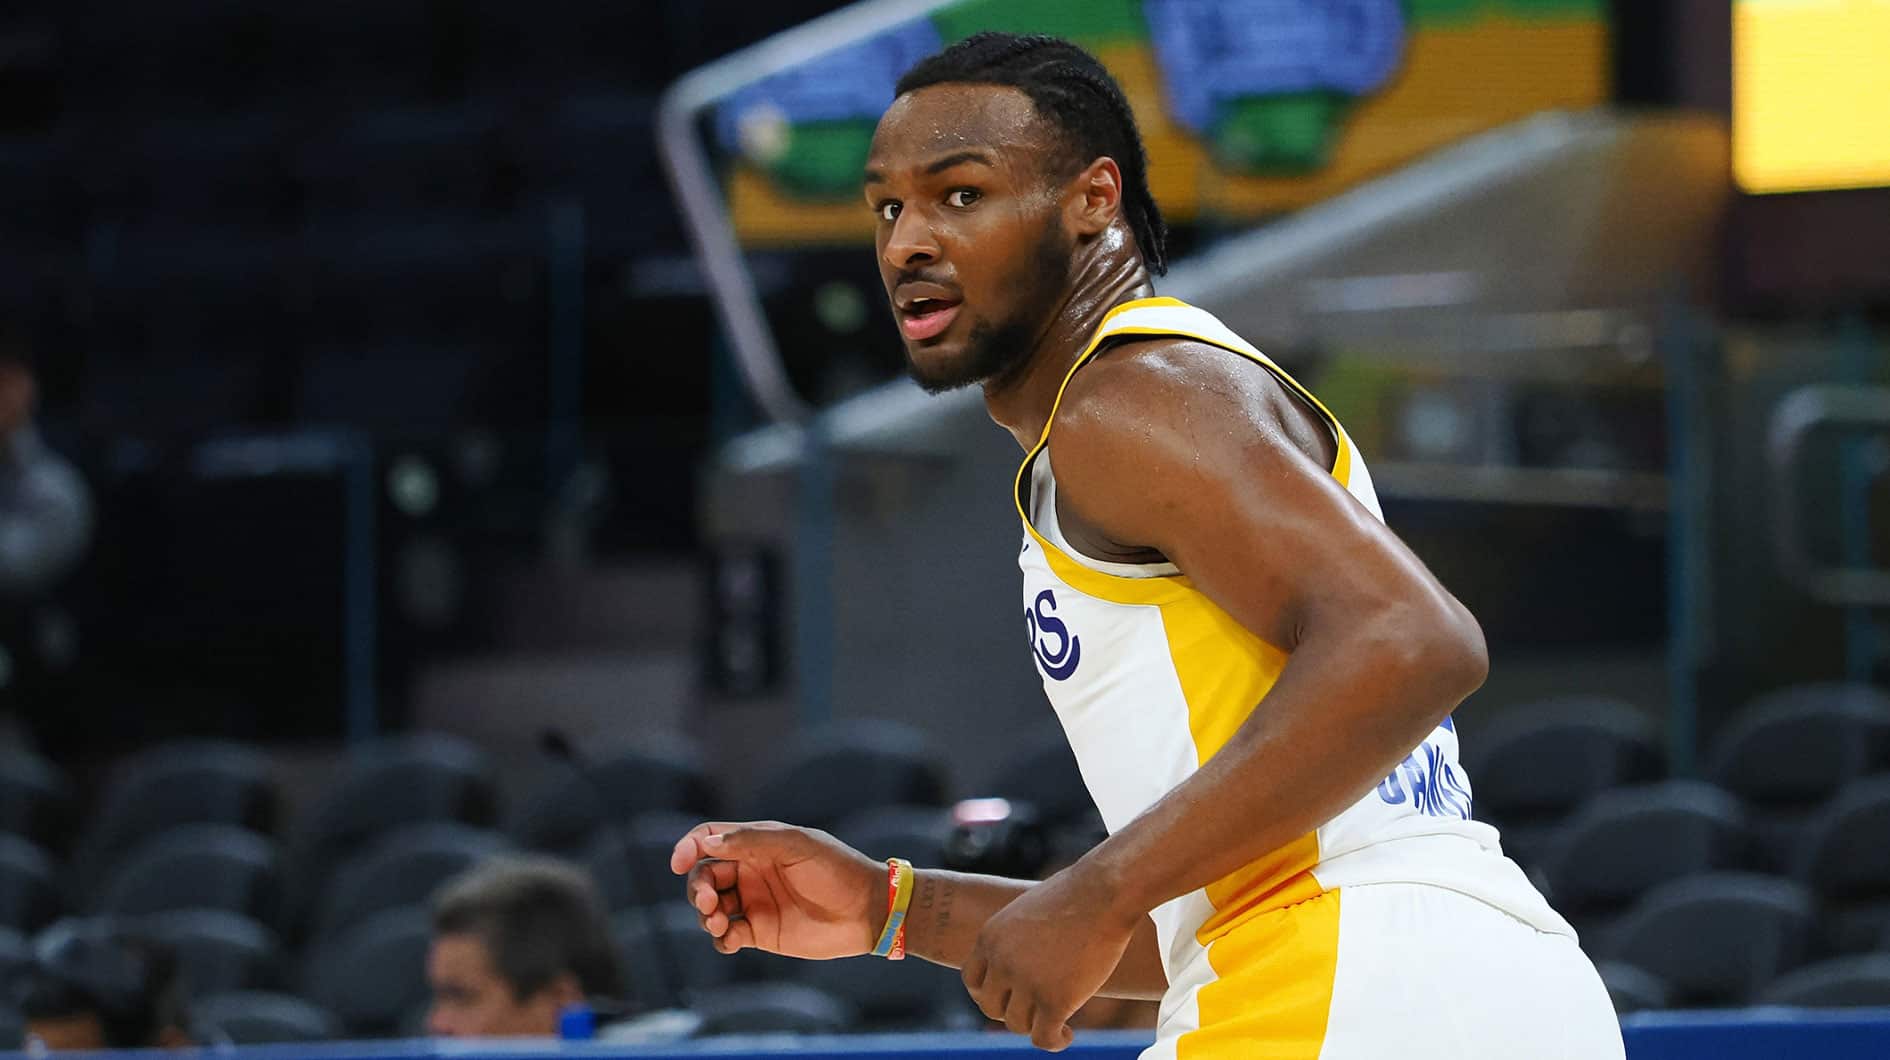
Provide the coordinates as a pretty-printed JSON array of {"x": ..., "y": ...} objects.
[{"x": 927, "y": 318}]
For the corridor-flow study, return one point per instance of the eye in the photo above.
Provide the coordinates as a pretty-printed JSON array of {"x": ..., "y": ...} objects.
[
  {"x": 963, "y": 197},
  {"x": 887, "y": 211}
]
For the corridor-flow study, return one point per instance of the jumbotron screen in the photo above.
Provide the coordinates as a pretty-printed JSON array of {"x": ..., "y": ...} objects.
[{"x": 1811, "y": 94}]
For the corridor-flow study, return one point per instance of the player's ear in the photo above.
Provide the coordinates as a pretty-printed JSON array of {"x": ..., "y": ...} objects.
[{"x": 1096, "y": 197}]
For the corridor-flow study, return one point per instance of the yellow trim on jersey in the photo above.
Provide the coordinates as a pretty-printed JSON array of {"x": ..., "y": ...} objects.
[
  {"x": 1341, "y": 462},
  {"x": 1272, "y": 992},
  {"x": 1224, "y": 669}
]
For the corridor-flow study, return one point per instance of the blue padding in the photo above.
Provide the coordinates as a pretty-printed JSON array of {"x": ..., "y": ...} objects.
[
  {"x": 1754, "y": 1034},
  {"x": 1759, "y": 1034}
]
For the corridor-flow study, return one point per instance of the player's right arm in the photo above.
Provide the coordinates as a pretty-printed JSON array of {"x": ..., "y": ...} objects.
[{"x": 802, "y": 893}]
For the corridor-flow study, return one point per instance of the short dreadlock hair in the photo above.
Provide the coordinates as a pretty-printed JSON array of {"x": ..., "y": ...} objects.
[{"x": 1075, "y": 93}]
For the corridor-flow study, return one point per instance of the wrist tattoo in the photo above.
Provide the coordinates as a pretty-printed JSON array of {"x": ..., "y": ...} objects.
[{"x": 942, "y": 917}]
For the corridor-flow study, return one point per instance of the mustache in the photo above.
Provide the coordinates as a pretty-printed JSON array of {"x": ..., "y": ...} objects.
[{"x": 905, "y": 276}]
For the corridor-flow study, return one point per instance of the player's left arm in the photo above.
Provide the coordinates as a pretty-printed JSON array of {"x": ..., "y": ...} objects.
[{"x": 1200, "y": 457}]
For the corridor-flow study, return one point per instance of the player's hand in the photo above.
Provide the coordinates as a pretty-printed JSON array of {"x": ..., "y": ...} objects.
[
  {"x": 771, "y": 886},
  {"x": 1045, "y": 954}
]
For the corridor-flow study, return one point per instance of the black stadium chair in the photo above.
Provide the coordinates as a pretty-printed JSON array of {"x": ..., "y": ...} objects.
[
  {"x": 255, "y": 1017},
  {"x": 202, "y": 866},
  {"x": 374, "y": 974},
  {"x": 1046, "y": 777},
  {"x": 29, "y": 893},
  {"x": 1787, "y": 752},
  {"x": 564, "y": 814},
  {"x": 35, "y": 798},
  {"x": 846, "y": 766},
  {"x": 403, "y": 868},
  {"x": 1625, "y": 841},
  {"x": 1843, "y": 982},
  {"x": 1633, "y": 990},
  {"x": 916, "y": 833},
  {"x": 1533, "y": 764},
  {"x": 1716, "y": 939},
  {"x": 175, "y": 785},
  {"x": 683, "y": 962},
  {"x": 891, "y": 996},
  {"x": 640, "y": 874},
  {"x": 16, "y": 956},
  {"x": 772, "y": 1008},
  {"x": 386, "y": 786},
  {"x": 217, "y": 951},
  {"x": 1844, "y": 857}
]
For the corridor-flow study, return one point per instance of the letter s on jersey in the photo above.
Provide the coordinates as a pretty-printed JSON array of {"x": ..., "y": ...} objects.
[{"x": 1048, "y": 631}]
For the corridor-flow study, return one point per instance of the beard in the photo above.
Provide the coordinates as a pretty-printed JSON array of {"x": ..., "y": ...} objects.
[{"x": 999, "y": 351}]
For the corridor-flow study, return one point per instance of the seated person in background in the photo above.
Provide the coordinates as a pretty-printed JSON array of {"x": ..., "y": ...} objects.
[
  {"x": 514, "y": 943},
  {"x": 92, "y": 987}
]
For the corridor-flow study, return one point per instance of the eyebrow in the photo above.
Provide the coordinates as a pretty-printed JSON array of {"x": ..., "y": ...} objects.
[{"x": 956, "y": 158}]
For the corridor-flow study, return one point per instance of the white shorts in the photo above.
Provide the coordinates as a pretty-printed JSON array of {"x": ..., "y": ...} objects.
[{"x": 1416, "y": 972}]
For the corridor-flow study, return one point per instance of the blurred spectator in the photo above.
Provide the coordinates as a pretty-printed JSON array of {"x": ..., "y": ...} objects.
[
  {"x": 92, "y": 987},
  {"x": 514, "y": 943},
  {"x": 45, "y": 507}
]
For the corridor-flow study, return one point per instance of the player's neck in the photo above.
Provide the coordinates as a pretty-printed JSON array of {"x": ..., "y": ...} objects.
[{"x": 1022, "y": 404}]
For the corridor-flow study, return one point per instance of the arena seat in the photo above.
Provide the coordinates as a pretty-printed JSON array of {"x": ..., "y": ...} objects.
[
  {"x": 694, "y": 964},
  {"x": 398, "y": 157},
  {"x": 1788, "y": 751},
  {"x": 563, "y": 814},
  {"x": 373, "y": 974},
  {"x": 1844, "y": 857},
  {"x": 218, "y": 169},
  {"x": 217, "y": 951},
  {"x": 1046, "y": 777},
  {"x": 916, "y": 833},
  {"x": 200, "y": 866},
  {"x": 29, "y": 892},
  {"x": 772, "y": 1008},
  {"x": 1719, "y": 938},
  {"x": 1842, "y": 982},
  {"x": 1534, "y": 763},
  {"x": 842, "y": 767},
  {"x": 16, "y": 955},
  {"x": 639, "y": 875},
  {"x": 257, "y": 1017},
  {"x": 171, "y": 786},
  {"x": 35, "y": 798},
  {"x": 1625, "y": 841},
  {"x": 1633, "y": 990},
  {"x": 905, "y": 995},
  {"x": 403, "y": 868},
  {"x": 386, "y": 786}
]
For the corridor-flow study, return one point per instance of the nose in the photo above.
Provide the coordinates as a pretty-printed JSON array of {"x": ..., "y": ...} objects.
[{"x": 911, "y": 241}]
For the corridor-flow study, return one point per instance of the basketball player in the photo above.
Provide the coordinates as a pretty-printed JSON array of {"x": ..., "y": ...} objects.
[{"x": 1256, "y": 675}]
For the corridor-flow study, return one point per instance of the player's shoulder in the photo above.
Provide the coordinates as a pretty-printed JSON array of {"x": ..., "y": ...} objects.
[{"x": 1140, "y": 385}]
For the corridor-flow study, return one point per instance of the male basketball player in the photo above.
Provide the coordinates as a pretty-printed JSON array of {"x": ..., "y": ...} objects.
[{"x": 1256, "y": 675}]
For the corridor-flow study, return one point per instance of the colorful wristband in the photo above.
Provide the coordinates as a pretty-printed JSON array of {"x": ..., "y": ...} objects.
[{"x": 892, "y": 938}]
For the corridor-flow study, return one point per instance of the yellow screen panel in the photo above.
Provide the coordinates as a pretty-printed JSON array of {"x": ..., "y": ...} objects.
[{"x": 1811, "y": 94}]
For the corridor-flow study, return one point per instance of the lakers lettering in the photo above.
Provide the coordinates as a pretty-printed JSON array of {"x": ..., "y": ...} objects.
[
  {"x": 1056, "y": 648},
  {"x": 1428, "y": 781}
]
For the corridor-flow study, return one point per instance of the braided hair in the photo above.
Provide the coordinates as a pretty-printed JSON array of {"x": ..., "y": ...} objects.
[{"x": 1074, "y": 93}]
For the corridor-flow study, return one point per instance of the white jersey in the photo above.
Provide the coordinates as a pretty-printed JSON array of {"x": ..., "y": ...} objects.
[{"x": 1150, "y": 678}]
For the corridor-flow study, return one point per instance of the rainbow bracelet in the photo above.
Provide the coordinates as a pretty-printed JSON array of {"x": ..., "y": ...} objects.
[{"x": 892, "y": 938}]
